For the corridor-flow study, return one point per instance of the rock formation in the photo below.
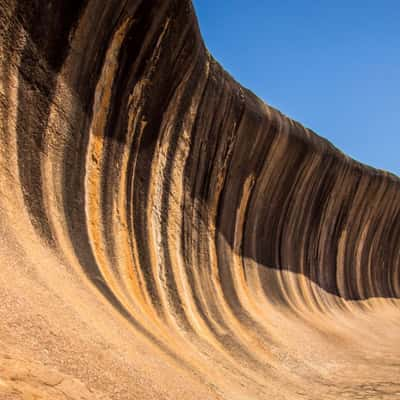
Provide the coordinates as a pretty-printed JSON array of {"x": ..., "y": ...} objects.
[{"x": 165, "y": 234}]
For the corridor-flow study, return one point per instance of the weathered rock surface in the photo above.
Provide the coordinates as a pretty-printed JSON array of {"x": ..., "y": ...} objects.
[{"x": 165, "y": 234}]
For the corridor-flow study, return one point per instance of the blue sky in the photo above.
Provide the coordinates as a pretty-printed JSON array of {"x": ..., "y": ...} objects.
[{"x": 332, "y": 65}]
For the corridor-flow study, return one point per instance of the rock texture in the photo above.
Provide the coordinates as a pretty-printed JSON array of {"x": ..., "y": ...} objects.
[{"x": 165, "y": 234}]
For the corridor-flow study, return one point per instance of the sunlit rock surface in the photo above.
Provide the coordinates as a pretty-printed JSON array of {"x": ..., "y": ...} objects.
[{"x": 164, "y": 234}]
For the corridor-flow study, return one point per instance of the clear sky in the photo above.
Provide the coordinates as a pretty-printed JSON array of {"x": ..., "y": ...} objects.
[{"x": 333, "y": 65}]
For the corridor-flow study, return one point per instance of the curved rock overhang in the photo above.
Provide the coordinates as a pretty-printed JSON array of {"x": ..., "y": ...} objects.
[{"x": 225, "y": 233}]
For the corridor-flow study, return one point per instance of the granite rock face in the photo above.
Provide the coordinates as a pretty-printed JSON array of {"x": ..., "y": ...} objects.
[{"x": 165, "y": 233}]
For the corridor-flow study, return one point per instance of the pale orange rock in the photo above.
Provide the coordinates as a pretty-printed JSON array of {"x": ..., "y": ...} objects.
[{"x": 165, "y": 234}]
